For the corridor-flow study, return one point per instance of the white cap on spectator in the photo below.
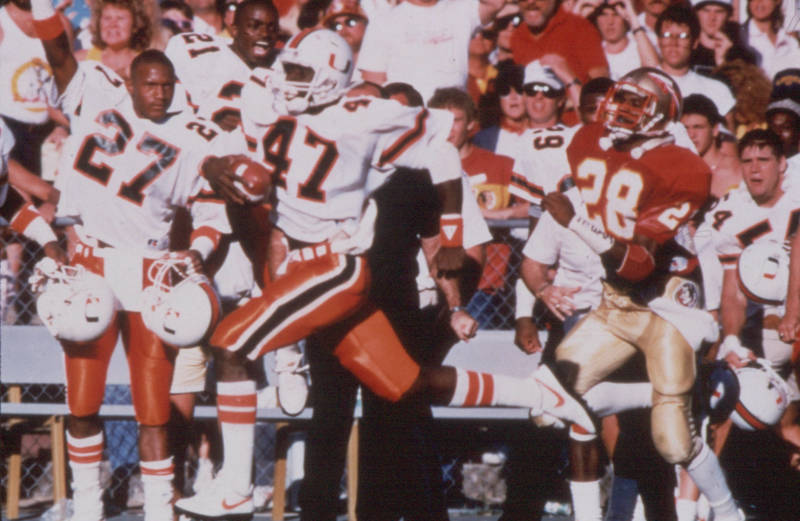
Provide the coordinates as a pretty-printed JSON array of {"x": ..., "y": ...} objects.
[
  {"x": 785, "y": 104},
  {"x": 535, "y": 72},
  {"x": 696, "y": 4}
]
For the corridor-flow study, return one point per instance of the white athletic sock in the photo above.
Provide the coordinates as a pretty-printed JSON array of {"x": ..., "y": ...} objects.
[
  {"x": 84, "y": 456},
  {"x": 236, "y": 409},
  {"x": 586, "y": 500},
  {"x": 475, "y": 389},
  {"x": 157, "y": 484},
  {"x": 707, "y": 474},
  {"x": 608, "y": 398}
]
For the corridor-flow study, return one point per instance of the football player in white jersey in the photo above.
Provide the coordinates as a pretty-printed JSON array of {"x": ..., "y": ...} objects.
[
  {"x": 759, "y": 212},
  {"x": 130, "y": 163},
  {"x": 319, "y": 146},
  {"x": 214, "y": 71}
]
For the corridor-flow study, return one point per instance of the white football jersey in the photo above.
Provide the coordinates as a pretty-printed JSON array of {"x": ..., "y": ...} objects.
[
  {"x": 737, "y": 221},
  {"x": 212, "y": 74},
  {"x": 124, "y": 176},
  {"x": 543, "y": 162},
  {"x": 322, "y": 162}
]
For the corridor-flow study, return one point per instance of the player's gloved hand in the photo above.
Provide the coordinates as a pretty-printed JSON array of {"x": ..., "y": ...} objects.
[
  {"x": 220, "y": 172},
  {"x": 526, "y": 335},
  {"x": 463, "y": 324},
  {"x": 560, "y": 207},
  {"x": 732, "y": 351}
]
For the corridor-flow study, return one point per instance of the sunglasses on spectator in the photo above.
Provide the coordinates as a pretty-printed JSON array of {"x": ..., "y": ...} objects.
[
  {"x": 181, "y": 26},
  {"x": 350, "y": 21},
  {"x": 504, "y": 89},
  {"x": 502, "y": 24},
  {"x": 667, "y": 35},
  {"x": 531, "y": 89}
]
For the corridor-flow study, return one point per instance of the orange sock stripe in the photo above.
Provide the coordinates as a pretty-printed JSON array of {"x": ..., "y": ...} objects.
[
  {"x": 85, "y": 450},
  {"x": 232, "y": 400},
  {"x": 93, "y": 458},
  {"x": 488, "y": 389},
  {"x": 472, "y": 390},
  {"x": 156, "y": 472},
  {"x": 237, "y": 417}
]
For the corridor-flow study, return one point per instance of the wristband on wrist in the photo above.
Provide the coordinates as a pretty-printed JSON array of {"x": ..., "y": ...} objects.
[
  {"x": 637, "y": 29},
  {"x": 451, "y": 230},
  {"x": 595, "y": 237},
  {"x": 456, "y": 309}
]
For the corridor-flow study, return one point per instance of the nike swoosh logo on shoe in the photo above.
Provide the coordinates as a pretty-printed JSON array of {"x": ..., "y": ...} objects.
[
  {"x": 226, "y": 506},
  {"x": 560, "y": 401}
]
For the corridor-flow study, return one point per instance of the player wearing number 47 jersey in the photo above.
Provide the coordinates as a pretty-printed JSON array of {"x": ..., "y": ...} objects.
[
  {"x": 321, "y": 148},
  {"x": 640, "y": 190},
  {"x": 129, "y": 163}
]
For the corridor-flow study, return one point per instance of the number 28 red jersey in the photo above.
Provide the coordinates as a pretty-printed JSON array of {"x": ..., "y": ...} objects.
[{"x": 651, "y": 196}]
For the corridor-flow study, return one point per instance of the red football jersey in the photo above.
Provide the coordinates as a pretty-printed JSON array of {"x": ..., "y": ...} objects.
[{"x": 651, "y": 196}]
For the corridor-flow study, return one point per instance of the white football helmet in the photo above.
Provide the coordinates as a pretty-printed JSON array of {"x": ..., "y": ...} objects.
[
  {"x": 180, "y": 306},
  {"x": 74, "y": 304},
  {"x": 764, "y": 272},
  {"x": 313, "y": 69},
  {"x": 763, "y": 397}
]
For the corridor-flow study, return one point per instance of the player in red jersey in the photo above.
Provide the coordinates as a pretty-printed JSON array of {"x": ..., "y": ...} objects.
[{"x": 640, "y": 190}]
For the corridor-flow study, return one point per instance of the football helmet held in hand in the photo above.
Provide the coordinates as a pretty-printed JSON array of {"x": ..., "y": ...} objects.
[
  {"x": 763, "y": 396},
  {"x": 74, "y": 304},
  {"x": 180, "y": 306},
  {"x": 313, "y": 69},
  {"x": 763, "y": 272}
]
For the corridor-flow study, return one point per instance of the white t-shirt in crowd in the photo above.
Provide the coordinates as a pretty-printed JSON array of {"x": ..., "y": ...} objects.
[
  {"x": 424, "y": 46},
  {"x": 715, "y": 90},
  {"x": 784, "y": 53},
  {"x": 623, "y": 62}
]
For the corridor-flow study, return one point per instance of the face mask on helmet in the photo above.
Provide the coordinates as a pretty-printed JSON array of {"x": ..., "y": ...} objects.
[
  {"x": 763, "y": 397},
  {"x": 180, "y": 306},
  {"x": 74, "y": 304},
  {"x": 641, "y": 103},
  {"x": 763, "y": 272},
  {"x": 312, "y": 70}
]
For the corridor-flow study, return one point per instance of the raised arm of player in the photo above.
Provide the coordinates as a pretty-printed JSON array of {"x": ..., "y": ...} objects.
[{"x": 50, "y": 30}]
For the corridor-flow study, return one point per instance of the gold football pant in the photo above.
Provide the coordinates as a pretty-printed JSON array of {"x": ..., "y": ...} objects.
[{"x": 608, "y": 336}]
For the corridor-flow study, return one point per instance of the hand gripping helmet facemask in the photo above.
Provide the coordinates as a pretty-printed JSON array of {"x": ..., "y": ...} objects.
[
  {"x": 180, "y": 306},
  {"x": 313, "y": 69},
  {"x": 642, "y": 103},
  {"x": 74, "y": 304}
]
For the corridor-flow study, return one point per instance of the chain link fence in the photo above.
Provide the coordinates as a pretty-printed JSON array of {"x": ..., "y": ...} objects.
[{"x": 492, "y": 306}]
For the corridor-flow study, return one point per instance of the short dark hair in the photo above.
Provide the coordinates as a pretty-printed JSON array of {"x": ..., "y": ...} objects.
[
  {"x": 680, "y": 14},
  {"x": 702, "y": 105},
  {"x": 597, "y": 11},
  {"x": 177, "y": 4},
  {"x": 412, "y": 95},
  {"x": 761, "y": 138},
  {"x": 150, "y": 56},
  {"x": 454, "y": 97},
  {"x": 599, "y": 85},
  {"x": 509, "y": 74},
  {"x": 246, "y": 3}
]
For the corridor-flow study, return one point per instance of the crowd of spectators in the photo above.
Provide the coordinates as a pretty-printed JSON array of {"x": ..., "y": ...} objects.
[{"x": 519, "y": 77}]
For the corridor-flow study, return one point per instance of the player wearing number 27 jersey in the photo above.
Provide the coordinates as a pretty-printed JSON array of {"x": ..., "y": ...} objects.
[{"x": 640, "y": 190}]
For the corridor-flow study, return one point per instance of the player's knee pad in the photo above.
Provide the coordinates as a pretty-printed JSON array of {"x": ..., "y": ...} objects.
[
  {"x": 373, "y": 353},
  {"x": 674, "y": 433}
]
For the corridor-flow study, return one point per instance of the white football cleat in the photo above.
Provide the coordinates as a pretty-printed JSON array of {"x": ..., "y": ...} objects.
[
  {"x": 215, "y": 504},
  {"x": 292, "y": 382},
  {"x": 556, "y": 401}
]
